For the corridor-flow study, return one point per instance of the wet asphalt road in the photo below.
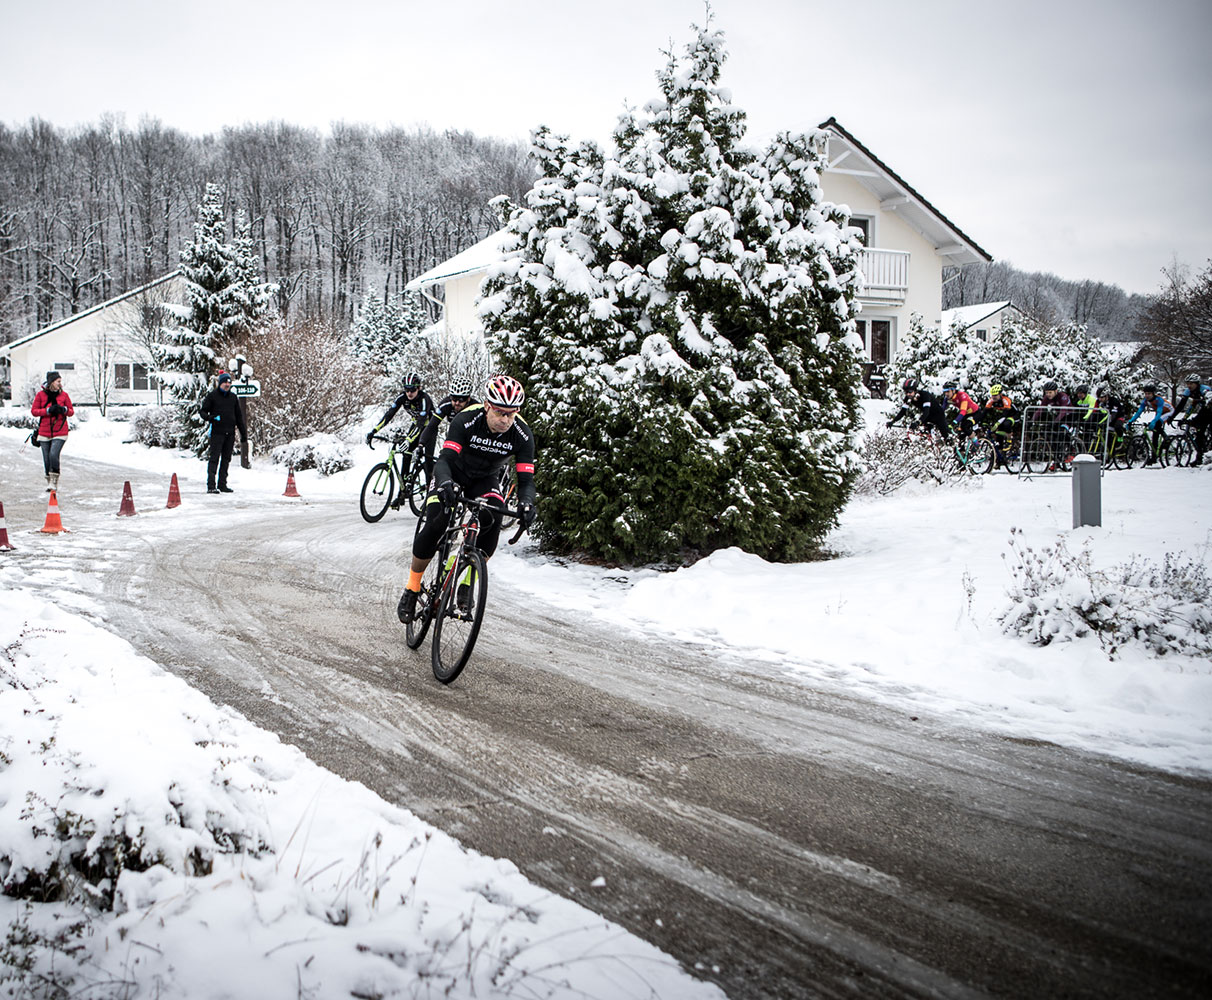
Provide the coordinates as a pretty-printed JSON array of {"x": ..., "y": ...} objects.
[{"x": 779, "y": 840}]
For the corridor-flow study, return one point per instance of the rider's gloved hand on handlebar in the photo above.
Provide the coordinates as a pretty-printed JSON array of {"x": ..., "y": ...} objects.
[
  {"x": 446, "y": 493},
  {"x": 370, "y": 436},
  {"x": 527, "y": 514}
]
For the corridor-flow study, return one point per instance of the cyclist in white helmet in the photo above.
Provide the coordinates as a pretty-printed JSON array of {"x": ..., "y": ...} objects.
[{"x": 481, "y": 440}]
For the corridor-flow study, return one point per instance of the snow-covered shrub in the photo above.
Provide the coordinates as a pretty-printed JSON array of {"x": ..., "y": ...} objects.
[
  {"x": 325, "y": 453},
  {"x": 891, "y": 459},
  {"x": 311, "y": 383},
  {"x": 82, "y": 823},
  {"x": 158, "y": 427},
  {"x": 10, "y": 416},
  {"x": 1022, "y": 357},
  {"x": 1058, "y": 596}
]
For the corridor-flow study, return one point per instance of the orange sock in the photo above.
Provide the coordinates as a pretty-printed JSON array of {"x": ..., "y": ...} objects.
[{"x": 414, "y": 581}]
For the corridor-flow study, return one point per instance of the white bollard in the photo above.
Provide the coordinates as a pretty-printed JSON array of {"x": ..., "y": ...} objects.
[{"x": 1087, "y": 491}]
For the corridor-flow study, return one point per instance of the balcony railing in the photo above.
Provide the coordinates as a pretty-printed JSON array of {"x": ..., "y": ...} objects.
[{"x": 885, "y": 274}]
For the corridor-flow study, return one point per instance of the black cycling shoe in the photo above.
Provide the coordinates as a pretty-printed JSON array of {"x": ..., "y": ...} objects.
[
  {"x": 406, "y": 610},
  {"x": 463, "y": 600}
]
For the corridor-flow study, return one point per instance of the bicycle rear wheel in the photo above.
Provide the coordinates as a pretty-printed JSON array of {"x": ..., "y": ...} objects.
[
  {"x": 417, "y": 487},
  {"x": 457, "y": 623},
  {"x": 377, "y": 492}
]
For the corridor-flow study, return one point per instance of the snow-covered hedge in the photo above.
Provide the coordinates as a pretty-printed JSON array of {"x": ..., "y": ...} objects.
[
  {"x": 326, "y": 453},
  {"x": 892, "y": 459},
  {"x": 10, "y": 416},
  {"x": 158, "y": 427},
  {"x": 81, "y": 829},
  {"x": 1058, "y": 596}
]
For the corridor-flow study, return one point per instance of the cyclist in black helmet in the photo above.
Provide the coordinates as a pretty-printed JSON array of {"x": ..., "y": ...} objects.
[{"x": 415, "y": 402}]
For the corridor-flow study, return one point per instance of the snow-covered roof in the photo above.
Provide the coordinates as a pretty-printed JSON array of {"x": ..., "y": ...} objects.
[
  {"x": 968, "y": 316},
  {"x": 22, "y": 341},
  {"x": 849, "y": 156},
  {"x": 477, "y": 257}
]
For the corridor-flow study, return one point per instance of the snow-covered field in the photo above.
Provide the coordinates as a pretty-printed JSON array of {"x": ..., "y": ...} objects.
[{"x": 347, "y": 894}]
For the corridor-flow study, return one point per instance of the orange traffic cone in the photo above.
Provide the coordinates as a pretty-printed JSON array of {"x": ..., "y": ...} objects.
[
  {"x": 290, "y": 484},
  {"x": 54, "y": 524},
  {"x": 127, "y": 509},
  {"x": 174, "y": 494},
  {"x": 5, "y": 544}
]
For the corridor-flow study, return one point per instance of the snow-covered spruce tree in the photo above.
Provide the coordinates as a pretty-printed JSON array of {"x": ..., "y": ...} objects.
[
  {"x": 225, "y": 300},
  {"x": 680, "y": 311},
  {"x": 384, "y": 331}
]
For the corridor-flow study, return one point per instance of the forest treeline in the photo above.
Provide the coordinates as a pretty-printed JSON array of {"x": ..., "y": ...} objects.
[
  {"x": 90, "y": 212},
  {"x": 1107, "y": 311}
]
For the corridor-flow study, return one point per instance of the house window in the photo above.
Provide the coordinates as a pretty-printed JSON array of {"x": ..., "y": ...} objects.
[
  {"x": 982, "y": 335},
  {"x": 64, "y": 366},
  {"x": 121, "y": 376},
  {"x": 141, "y": 378},
  {"x": 881, "y": 340},
  {"x": 876, "y": 336},
  {"x": 863, "y": 223}
]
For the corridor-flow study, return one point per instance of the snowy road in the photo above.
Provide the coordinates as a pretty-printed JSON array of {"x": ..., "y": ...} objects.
[{"x": 780, "y": 841}]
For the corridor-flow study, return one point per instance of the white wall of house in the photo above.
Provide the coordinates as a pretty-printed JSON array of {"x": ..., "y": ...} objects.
[
  {"x": 76, "y": 347},
  {"x": 924, "y": 294},
  {"x": 461, "y": 294}
]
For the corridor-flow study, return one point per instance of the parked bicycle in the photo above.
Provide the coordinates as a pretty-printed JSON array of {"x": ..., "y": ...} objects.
[
  {"x": 454, "y": 590},
  {"x": 404, "y": 468}
]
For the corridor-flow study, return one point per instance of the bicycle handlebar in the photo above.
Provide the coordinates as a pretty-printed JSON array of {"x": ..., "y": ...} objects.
[{"x": 478, "y": 504}]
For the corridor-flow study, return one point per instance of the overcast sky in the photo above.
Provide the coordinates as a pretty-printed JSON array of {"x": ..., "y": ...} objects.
[{"x": 1071, "y": 136}]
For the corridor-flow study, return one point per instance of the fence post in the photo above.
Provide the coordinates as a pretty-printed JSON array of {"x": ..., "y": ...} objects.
[{"x": 1087, "y": 491}]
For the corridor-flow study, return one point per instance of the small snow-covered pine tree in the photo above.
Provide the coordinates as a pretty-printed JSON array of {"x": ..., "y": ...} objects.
[
  {"x": 680, "y": 311},
  {"x": 225, "y": 300},
  {"x": 385, "y": 330}
]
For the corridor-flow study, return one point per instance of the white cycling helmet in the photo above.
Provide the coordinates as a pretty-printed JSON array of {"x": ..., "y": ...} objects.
[{"x": 504, "y": 392}]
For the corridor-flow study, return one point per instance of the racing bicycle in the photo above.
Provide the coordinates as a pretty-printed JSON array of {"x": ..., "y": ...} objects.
[
  {"x": 404, "y": 467},
  {"x": 454, "y": 589}
]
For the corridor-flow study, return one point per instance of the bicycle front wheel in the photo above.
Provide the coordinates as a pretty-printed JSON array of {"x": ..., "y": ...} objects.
[
  {"x": 981, "y": 457},
  {"x": 460, "y": 612},
  {"x": 377, "y": 492},
  {"x": 427, "y": 602}
]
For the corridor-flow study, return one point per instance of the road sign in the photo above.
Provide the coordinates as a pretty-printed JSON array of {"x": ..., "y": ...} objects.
[{"x": 247, "y": 388}]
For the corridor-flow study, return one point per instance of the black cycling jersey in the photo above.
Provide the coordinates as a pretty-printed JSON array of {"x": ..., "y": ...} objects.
[
  {"x": 472, "y": 452},
  {"x": 420, "y": 409}
]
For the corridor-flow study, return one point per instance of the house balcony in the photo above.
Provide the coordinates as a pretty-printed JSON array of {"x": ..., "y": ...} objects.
[{"x": 885, "y": 275}]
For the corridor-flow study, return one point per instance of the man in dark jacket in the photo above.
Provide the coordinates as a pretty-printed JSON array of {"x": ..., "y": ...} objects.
[{"x": 221, "y": 410}]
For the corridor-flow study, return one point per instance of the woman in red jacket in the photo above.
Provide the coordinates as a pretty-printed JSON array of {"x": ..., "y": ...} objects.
[{"x": 53, "y": 406}]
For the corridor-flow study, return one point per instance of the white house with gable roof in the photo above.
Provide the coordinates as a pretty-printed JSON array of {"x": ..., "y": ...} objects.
[
  {"x": 985, "y": 319},
  {"x": 908, "y": 241},
  {"x": 97, "y": 351}
]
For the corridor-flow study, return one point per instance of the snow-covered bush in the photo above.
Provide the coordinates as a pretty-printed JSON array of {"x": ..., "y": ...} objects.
[
  {"x": 325, "y": 453},
  {"x": 1022, "y": 357},
  {"x": 75, "y": 840},
  {"x": 311, "y": 383},
  {"x": 1058, "y": 596},
  {"x": 892, "y": 459},
  {"x": 11, "y": 416},
  {"x": 158, "y": 427}
]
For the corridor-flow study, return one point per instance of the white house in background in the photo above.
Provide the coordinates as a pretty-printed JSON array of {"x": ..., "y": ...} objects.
[
  {"x": 95, "y": 340},
  {"x": 908, "y": 241},
  {"x": 985, "y": 319}
]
